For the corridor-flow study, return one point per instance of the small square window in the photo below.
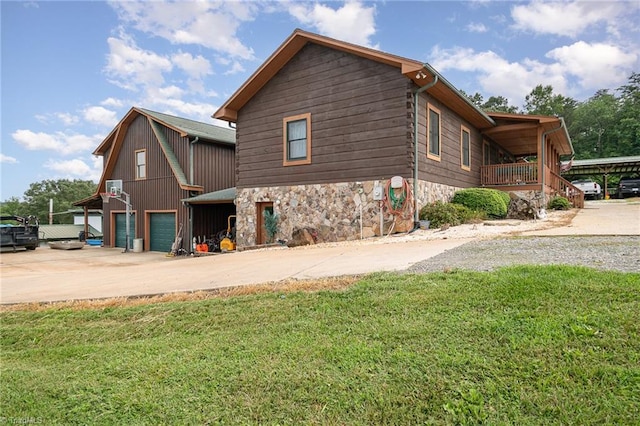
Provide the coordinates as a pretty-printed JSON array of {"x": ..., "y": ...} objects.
[
  {"x": 141, "y": 164},
  {"x": 297, "y": 140}
]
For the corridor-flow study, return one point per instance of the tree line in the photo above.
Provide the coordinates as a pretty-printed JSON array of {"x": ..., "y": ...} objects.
[
  {"x": 605, "y": 125},
  {"x": 35, "y": 201}
]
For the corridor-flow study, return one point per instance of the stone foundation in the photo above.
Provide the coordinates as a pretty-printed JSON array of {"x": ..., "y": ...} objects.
[{"x": 336, "y": 212}]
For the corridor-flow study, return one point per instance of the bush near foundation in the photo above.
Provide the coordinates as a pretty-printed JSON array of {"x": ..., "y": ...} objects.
[
  {"x": 559, "y": 203},
  {"x": 439, "y": 214},
  {"x": 490, "y": 201}
]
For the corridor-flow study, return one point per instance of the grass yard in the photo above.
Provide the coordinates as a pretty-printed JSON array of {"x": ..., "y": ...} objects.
[{"x": 522, "y": 345}]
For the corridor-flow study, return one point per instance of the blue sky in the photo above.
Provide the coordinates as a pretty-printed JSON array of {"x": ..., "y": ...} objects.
[{"x": 71, "y": 70}]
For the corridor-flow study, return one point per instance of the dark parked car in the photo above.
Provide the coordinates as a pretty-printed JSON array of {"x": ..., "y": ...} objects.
[{"x": 629, "y": 187}]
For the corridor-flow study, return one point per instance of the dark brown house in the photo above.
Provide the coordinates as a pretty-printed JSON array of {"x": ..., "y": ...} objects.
[
  {"x": 164, "y": 162},
  {"x": 323, "y": 126}
]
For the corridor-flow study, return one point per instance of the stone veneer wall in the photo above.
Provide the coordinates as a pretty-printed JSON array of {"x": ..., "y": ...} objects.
[{"x": 333, "y": 210}]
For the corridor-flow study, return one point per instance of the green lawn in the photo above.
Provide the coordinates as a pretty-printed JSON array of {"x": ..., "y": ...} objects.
[{"x": 523, "y": 345}]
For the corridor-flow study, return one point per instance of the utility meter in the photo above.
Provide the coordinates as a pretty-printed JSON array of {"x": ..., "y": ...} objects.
[{"x": 378, "y": 193}]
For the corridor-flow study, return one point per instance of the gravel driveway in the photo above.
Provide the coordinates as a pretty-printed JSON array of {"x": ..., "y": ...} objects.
[{"x": 619, "y": 253}]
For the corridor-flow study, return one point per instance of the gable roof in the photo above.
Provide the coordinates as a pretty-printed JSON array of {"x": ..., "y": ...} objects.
[
  {"x": 420, "y": 73},
  {"x": 185, "y": 127}
]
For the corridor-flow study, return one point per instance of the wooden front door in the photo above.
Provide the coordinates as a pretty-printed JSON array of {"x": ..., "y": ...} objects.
[{"x": 261, "y": 237}]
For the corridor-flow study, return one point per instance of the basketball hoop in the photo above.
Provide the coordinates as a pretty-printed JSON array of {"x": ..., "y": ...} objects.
[{"x": 105, "y": 197}]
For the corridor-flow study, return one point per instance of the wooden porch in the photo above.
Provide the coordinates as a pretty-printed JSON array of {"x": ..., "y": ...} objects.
[
  {"x": 542, "y": 140},
  {"x": 525, "y": 177}
]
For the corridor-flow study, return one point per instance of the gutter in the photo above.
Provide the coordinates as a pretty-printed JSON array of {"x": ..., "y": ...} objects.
[{"x": 416, "y": 98}]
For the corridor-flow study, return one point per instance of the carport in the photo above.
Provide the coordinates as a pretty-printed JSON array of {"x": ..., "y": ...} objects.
[
  {"x": 626, "y": 166},
  {"x": 208, "y": 213}
]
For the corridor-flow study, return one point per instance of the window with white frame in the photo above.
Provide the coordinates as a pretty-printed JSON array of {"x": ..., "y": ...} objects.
[{"x": 141, "y": 164}]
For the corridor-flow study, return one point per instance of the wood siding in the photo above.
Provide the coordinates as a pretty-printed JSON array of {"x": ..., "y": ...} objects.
[
  {"x": 359, "y": 120},
  {"x": 160, "y": 191},
  {"x": 448, "y": 171}
]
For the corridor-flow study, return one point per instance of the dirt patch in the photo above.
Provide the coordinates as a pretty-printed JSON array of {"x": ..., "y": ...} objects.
[{"x": 284, "y": 287}]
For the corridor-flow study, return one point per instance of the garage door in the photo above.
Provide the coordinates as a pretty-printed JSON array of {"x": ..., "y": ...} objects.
[
  {"x": 162, "y": 231},
  {"x": 121, "y": 229}
]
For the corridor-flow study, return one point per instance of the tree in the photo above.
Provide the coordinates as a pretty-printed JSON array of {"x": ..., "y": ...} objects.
[
  {"x": 64, "y": 193},
  {"x": 12, "y": 207},
  {"x": 628, "y": 117},
  {"x": 499, "y": 104},
  {"x": 542, "y": 101},
  {"x": 593, "y": 129},
  {"x": 475, "y": 99}
]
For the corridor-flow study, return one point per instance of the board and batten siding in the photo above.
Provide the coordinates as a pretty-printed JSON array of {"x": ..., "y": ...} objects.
[
  {"x": 160, "y": 190},
  {"x": 448, "y": 170},
  {"x": 359, "y": 121}
]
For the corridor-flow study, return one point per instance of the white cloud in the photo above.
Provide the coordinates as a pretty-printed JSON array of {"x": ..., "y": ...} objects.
[
  {"x": 130, "y": 67},
  {"x": 577, "y": 70},
  {"x": 566, "y": 18},
  {"x": 76, "y": 168},
  {"x": 101, "y": 116},
  {"x": 235, "y": 68},
  {"x": 596, "y": 65},
  {"x": 493, "y": 71},
  {"x": 7, "y": 159},
  {"x": 60, "y": 142},
  {"x": 36, "y": 141},
  {"x": 353, "y": 22},
  {"x": 195, "y": 67},
  {"x": 477, "y": 28},
  {"x": 112, "y": 102},
  {"x": 67, "y": 118},
  {"x": 208, "y": 24}
]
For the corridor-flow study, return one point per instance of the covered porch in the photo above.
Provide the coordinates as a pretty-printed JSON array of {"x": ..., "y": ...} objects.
[{"x": 523, "y": 153}]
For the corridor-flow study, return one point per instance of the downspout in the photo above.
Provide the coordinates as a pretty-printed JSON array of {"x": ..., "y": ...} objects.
[
  {"x": 191, "y": 172},
  {"x": 191, "y": 179},
  {"x": 416, "y": 98},
  {"x": 542, "y": 152}
]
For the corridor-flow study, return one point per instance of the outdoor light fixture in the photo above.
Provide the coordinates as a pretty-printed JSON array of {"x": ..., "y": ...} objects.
[{"x": 420, "y": 75}]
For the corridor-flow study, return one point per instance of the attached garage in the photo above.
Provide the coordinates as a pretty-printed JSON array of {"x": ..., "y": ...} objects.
[{"x": 161, "y": 231}]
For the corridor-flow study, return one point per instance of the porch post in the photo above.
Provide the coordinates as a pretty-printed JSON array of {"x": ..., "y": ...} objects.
[{"x": 541, "y": 159}]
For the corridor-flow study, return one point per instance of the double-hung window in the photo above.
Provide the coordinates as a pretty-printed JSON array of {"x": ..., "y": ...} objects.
[
  {"x": 465, "y": 148},
  {"x": 141, "y": 164},
  {"x": 434, "y": 133},
  {"x": 297, "y": 140}
]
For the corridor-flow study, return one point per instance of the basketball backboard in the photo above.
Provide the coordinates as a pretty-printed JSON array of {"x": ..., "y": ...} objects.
[{"x": 114, "y": 187}]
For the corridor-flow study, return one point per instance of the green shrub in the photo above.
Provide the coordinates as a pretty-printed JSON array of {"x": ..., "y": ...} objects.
[
  {"x": 466, "y": 215},
  {"x": 559, "y": 203},
  {"x": 490, "y": 201},
  {"x": 440, "y": 213}
]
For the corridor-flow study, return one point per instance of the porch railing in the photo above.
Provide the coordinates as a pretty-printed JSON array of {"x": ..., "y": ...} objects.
[
  {"x": 509, "y": 174},
  {"x": 564, "y": 188}
]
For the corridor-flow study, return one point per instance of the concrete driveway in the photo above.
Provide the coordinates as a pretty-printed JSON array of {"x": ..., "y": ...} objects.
[
  {"x": 47, "y": 275},
  {"x": 604, "y": 217}
]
